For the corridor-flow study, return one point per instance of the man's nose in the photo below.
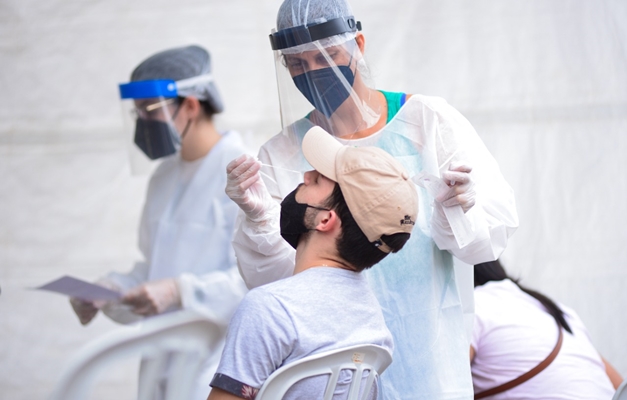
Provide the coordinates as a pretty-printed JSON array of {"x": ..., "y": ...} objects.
[{"x": 309, "y": 177}]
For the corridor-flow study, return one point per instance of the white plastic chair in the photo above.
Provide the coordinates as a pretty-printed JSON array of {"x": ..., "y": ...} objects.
[
  {"x": 621, "y": 392},
  {"x": 372, "y": 358},
  {"x": 182, "y": 339}
]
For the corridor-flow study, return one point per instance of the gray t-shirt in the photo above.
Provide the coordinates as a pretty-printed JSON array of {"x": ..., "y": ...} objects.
[{"x": 317, "y": 310}]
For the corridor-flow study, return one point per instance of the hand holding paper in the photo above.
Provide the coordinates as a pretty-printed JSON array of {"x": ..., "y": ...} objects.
[
  {"x": 86, "y": 298},
  {"x": 154, "y": 297}
]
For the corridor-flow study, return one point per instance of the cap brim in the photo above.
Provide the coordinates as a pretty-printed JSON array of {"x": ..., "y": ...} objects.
[{"x": 320, "y": 149}]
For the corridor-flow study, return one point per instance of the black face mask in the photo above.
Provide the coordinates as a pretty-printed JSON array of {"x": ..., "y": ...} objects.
[
  {"x": 156, "y": 138},
  {"x": 324, "y": 89},
  {"x": 293, "y": 218}
]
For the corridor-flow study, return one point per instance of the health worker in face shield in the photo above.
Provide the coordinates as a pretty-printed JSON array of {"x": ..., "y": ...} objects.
[
  {"x": 188, "y": 221},
  {"x": 467, "y": 208}
]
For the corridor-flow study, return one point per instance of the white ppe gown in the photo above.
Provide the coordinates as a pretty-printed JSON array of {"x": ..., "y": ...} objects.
[
  {"x": 186, "y": 230},
  {"x": 415, "y": 287}
]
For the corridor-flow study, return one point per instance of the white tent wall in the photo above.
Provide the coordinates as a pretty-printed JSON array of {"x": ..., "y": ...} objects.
[{"x": 543, "y": 82}]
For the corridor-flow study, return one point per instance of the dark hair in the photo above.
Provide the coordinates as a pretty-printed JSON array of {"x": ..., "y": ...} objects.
[
  {"x": 204, "y": 104},
  {"x": 494, "y": 271},
  {"x": 352, "y": 244}
]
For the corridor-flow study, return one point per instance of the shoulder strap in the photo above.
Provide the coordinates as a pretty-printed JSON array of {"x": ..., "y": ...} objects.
[{"x": 527, "y": 375}]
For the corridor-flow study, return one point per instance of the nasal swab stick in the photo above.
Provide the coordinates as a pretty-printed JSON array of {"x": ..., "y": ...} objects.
[
  {"x": 273, "y": 166},
  {"x": 268, "y": 176},
  {"x": 284, "y": 169}
]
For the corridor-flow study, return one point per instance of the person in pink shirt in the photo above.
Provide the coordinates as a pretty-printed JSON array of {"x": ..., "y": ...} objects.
[{"x": 516, "y": 329}]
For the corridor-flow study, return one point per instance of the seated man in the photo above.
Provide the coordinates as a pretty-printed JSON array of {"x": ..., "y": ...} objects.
[{"x": 352, "y": 211}]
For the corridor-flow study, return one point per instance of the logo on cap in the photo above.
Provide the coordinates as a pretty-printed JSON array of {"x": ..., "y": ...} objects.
[{"x": 407, "y": 221}]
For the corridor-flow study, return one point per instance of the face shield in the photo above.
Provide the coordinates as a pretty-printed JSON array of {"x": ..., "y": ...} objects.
[
  {"x": 150, "y": 111},
  {"x": 322, "y": 78}
]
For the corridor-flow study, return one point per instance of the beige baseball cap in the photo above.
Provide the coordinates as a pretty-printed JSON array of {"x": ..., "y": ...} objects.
[{"x": 378, "y": 190}]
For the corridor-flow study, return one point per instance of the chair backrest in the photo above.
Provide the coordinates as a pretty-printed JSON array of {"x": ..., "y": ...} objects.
[
  {"x": 621, "y": 392},
  {"x": 181, "y": 339},
  {"x": 372, "y": 358}
]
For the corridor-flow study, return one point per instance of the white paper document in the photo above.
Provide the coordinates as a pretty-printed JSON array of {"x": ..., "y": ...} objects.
[{"x": 83, "y": 290}]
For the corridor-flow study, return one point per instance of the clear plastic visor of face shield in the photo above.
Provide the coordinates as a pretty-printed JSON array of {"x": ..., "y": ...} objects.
[
  {"x": 324, "y": 79},
  {"x": 149, "y": 110}
]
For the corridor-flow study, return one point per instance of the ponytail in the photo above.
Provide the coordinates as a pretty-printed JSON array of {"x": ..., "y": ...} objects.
[{"x": 494, "y": 271}]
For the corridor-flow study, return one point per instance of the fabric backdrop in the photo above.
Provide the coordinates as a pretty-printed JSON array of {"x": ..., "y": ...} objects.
[{"x": 543, "y": 82}]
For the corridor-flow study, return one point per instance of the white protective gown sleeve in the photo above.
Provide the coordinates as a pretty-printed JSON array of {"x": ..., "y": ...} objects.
[
  {"x": 262, "y": 254},
  {"x": 264, "y": 257},
  {"x": 494, "y": 215}
]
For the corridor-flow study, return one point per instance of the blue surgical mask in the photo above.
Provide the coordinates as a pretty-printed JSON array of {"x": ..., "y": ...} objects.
[{"x": 324, "y": 89}]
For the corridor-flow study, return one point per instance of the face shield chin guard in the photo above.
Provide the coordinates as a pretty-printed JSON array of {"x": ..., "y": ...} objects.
[
  {"x": 149, "y": 111},
  {"x": 322, "y": 77}
]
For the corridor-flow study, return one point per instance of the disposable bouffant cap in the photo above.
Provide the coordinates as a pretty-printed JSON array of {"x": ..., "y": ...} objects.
[
  {"x": 178, "y": 64},
  {"x": 378, "y": 190},
  {"x": 304, "y": 12}
]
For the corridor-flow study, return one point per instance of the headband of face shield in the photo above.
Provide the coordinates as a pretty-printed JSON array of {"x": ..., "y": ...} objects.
[
  {"x": 155, "y": 106},
  {"x": 296, "y": 38}
]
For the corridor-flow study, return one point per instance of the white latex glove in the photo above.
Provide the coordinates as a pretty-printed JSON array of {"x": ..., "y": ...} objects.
[
  {"x": 461, "y": 187},
  {"x": 246, "y": 188},
  {"x": 86, "y": 310},
  {"x": 153, "y": 297}
]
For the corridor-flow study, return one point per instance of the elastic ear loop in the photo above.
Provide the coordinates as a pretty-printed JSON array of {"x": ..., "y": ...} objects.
[{"x": 176, "y": 112}]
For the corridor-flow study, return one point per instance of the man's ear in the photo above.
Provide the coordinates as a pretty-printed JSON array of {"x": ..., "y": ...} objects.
[{"x": 327, "y": 221}]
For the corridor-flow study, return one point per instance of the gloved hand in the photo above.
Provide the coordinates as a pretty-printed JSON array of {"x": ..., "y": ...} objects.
[
  {"x": 246, "y": 188},
  {"x": 461, "y": 187},
  {"x": 86, "y": 310},
  {"x": 153, "y": 297}
]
